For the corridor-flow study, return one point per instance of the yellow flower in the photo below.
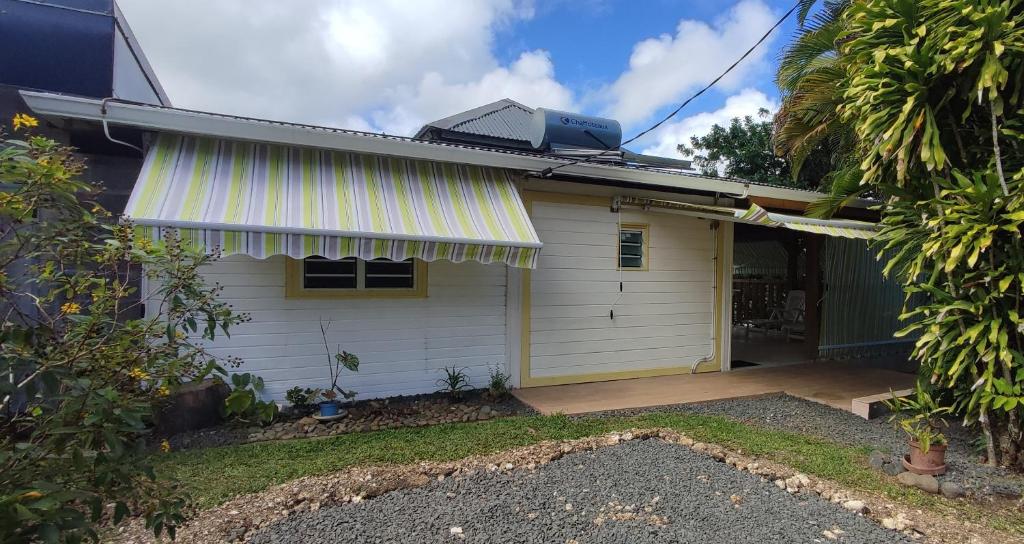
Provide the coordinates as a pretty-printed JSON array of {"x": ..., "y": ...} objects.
[
  {"x": 138, "y": 374},
  {"x": 163, "y": 391},
  {"x": 144, "y": 244},
  {"x": 70, "y": 308},
  {"x": 24, "y": 120},
  {"x": 165, "y": 446}
]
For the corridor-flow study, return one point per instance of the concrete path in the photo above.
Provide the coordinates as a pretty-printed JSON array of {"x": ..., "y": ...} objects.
[{"x": 835, "y": 383}]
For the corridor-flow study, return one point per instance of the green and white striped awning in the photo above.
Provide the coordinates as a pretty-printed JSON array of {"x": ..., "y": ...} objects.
[
  {"x": 756, "y": 215},
  {"x": 261, "y": 200}
]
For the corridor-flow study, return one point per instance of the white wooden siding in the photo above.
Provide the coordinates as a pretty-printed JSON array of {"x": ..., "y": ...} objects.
[
  {"x": 402, "y": 344},
  {"x": 663, "y": 318}
]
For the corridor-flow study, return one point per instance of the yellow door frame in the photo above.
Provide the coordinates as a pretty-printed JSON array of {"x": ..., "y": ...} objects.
[{"x": 525, "y": 380}]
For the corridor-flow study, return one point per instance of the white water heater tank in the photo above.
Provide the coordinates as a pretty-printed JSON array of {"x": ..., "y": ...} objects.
[{"x": 553, "y": 130}]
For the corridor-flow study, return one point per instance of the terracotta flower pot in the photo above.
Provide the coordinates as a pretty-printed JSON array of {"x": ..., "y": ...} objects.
[{"x": 919, "y": 462}]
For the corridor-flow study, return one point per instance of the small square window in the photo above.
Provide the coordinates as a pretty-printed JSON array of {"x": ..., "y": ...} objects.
[{"x": 633, "y": 247}]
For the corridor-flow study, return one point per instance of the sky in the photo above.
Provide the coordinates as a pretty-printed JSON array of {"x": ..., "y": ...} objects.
[{"x": 392, "y": 65}]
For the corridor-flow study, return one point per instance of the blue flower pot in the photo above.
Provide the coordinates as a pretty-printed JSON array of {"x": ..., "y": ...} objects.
[{"x": 328, "y": 409}]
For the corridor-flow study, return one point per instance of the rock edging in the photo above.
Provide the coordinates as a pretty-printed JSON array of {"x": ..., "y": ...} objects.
[{"x": 240, "y": 518}]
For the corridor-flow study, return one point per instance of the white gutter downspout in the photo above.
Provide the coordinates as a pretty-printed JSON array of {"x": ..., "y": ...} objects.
[
  {"x": 106, "y": 129},
  {"x": 714, "y": 303}
]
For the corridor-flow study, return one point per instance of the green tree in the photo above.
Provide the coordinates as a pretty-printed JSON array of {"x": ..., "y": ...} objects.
[
  {"x": 741, "y": 150},
  {"x": 79, "y": 370},
  {"x": 808, "y": 130},
  {"x": 933, "y": 92}
]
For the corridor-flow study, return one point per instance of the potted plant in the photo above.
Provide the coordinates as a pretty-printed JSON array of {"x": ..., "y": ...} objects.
[
  {"x": 329, "y": 405},
  {"x": 335, "y": 362},
  {"x": 921, "y": 417}
]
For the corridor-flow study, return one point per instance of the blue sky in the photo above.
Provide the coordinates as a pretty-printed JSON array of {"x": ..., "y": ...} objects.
[
  {"x": 591, "y": 43},
  {"x": 391, "y": 65}
]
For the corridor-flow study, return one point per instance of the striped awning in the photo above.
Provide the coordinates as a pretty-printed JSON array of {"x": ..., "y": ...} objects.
[
  {"x": 262, "y": 200},
  {"x": 756, "y": 215}
]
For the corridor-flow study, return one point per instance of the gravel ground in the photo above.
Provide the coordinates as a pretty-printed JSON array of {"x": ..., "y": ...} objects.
[
  {"x": 802, "y": 416},
  {"x": 644, "y": 491}
]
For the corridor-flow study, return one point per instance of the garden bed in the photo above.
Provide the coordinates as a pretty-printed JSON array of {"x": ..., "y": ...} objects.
[{"x": 367, "y": 415}]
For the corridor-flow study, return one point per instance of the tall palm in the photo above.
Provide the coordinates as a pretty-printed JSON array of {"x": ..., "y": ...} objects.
[{"x": 808, "y": 129}]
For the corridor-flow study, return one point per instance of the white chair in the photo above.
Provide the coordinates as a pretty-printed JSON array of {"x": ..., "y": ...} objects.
[{"x": 788, "y": 319}]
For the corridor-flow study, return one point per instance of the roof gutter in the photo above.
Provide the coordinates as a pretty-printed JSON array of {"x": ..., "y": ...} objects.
[{"x": 163, "y": 119}]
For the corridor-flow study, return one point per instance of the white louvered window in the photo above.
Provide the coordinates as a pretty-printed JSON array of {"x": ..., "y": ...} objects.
[{"x": 633, "y": 247}]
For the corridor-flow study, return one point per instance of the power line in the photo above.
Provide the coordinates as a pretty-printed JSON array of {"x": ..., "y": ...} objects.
[{"x": 547, "y": 171}]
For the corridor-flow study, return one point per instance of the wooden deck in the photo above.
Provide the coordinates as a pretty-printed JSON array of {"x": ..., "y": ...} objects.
[{"x": 832, "y": 382}]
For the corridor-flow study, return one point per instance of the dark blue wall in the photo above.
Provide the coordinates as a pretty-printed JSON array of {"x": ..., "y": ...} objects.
[{"x": 63, "y": 46}]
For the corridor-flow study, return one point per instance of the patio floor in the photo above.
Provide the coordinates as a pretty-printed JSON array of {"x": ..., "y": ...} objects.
[{"x": 835, "y": 383}]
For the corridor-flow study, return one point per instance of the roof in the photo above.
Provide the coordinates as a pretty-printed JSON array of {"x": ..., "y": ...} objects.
[
  {"x": 505, "y": 119},
  {"x": 182, "y": 121},
  {"x": 508, "y": 123}
]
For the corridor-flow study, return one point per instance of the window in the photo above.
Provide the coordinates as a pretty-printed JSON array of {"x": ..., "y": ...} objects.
[
  {"x": 633, "y": 247},
  {"x": 352, "y": 277}
]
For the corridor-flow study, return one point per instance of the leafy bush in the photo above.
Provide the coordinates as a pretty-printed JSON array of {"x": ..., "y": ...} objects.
[
  {"x": 454, "y": 382},
  {"x": 498, "y": 382},
  {"x": 302, "y": 400},
  {"x": 244, "y": 403},
  {"x": 933, "y": 93},
  {"x": 80, "y": 372}
]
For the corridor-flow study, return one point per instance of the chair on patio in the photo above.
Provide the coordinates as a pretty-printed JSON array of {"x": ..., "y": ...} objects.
[{"x": 788, "y": 319}]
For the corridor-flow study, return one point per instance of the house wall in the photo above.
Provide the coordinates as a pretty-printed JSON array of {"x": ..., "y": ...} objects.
[
  {"x": 663, "y": 319},
  {"x": 402, "y": 344}
]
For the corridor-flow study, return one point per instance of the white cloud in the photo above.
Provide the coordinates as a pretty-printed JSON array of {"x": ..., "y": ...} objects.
[
  {"x": 661, "y": 69},
  {"x": 333, "y": 62},
  {"x": 746, "y": 102},
  {"x": 530, "y": 80}
]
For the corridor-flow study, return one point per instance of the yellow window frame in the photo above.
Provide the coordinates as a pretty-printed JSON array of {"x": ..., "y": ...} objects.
[{"x": 295, "y": 289}]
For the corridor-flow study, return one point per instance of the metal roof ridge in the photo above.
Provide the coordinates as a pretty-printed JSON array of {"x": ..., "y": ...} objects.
[{"x": 172, "y": 119}]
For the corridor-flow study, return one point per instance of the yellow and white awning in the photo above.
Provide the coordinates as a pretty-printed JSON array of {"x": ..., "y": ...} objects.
[
  {"x": 756, "y": 215},
  {"x": 262, "y": 200}
]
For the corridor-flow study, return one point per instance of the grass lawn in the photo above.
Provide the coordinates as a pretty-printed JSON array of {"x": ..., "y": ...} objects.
[{"x": 215, "y": 475}]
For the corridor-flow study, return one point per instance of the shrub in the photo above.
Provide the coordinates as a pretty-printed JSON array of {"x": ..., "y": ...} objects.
[
  {"x": 498, "y": 383},
  {"x": 302, "y": 400},
  {"x": 454, "y": 382},
  {"x": 80, "y": 372},
  {"x": 245, "y": 403},
  {"x": 934, "y": 95}
]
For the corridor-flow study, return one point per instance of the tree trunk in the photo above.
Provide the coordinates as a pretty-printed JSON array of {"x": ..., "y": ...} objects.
[{"x": 990, "y": 443}]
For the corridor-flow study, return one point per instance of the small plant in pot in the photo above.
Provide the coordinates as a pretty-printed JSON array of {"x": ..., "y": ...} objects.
[
  {"x": 921, "y": 417},
  {"x": 337, "y": 360}
]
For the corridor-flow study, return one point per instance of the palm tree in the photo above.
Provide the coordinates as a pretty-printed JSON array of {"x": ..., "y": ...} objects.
[{"x": 808, "y": 129}]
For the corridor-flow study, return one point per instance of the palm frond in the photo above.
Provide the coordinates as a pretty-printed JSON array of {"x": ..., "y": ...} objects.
[{"x": 845, "y": 188}]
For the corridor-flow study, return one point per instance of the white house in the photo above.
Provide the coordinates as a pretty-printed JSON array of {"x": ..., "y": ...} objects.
[{"x": 467, "y": 246}]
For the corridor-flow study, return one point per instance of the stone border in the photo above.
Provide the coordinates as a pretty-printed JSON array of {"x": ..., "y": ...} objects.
[{"x": 240, "y": 518}]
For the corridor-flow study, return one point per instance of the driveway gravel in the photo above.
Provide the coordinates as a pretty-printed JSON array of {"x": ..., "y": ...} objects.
[
  {"x": 643, "y": 491},
  {"x": 785, "y": 412}
]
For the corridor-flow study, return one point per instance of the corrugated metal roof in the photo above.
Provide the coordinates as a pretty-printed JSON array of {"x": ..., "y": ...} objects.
[
  {"x": 59, "y": 105},
  {"x": 505, "y": 119}
]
